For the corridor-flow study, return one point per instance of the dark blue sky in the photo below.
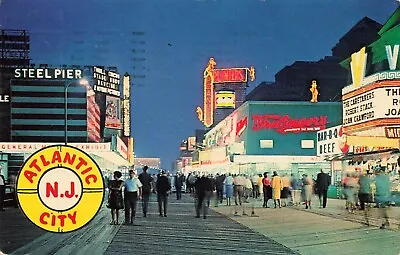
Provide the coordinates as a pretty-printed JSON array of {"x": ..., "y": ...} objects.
[{"x": 267, "y": 34}]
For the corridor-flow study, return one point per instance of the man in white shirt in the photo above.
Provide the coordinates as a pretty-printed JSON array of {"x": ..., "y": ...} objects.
[
  {"x": 133, "y": 191},
  {"x": 2, "y": 191}
]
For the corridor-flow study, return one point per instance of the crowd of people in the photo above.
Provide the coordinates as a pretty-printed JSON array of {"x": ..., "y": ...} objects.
[
  {"x": 124, "y": 194},
  {"x": 237, "y": 189}
]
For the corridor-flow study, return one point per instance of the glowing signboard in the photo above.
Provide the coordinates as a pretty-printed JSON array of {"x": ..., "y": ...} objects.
[
  {"x": 365, "y": 109},
  {"x": 212, "y": 76},
  {"x": 113, "y": 108},
  {"x": 284, "y": 124},
  {"x": 106, "y": 81},
  {"x": 208, "y": 111},
  {"x": 126, "y": 120},
  {"x": 230, "y": 75},
  {"x": 225, "y": 99},
  {"x": 47, "y": 73}
]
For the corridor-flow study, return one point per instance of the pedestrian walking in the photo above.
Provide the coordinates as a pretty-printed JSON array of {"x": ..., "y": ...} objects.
[
  {"x": 228, "y": 188},
  {"x": 219, "y": 186},
  {"x": 132, "y": 192},
  {"x": 178, "y": 182},
  {"x": 277, "y": 187},
  {"x": 115, "y": 200},
  {"x": 256, "y": 189},
  {"x": 382, "y": 195},
  {"x": 2, "y": 191},
  {"x": 203, "y": 186},
  {"x": 163, "y": 187},
  {"x": 285, "y": 193},
  {"x": 308, "y": 184},
  {"x": 260, "y": 187},
  {"x": 352, "y": 189},
  {"x": 295, "y": 190},
  {"x": 267, "y": 189},
  {"x": 323, "y": 182},
  {"x": 364, "y": 194},
  {"x": 146, "y": 181}
]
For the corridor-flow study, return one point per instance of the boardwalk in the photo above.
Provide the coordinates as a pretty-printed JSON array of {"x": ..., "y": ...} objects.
[
  {"x": 275, "y": 231},
  {"x": 182, "y": 233},
  {"x": 310, "y": 232}
]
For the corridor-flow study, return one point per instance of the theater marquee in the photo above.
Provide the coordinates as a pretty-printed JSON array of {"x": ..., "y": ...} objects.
[{"x": 375, "y": 105}]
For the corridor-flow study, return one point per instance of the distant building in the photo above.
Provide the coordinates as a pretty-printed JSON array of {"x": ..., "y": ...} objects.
[
  {"x": 153, "y": 163},
  {"x": 292, "y": 83},
  {"x": 360, "y": 35},
  {"x": 14, "y": 52}
]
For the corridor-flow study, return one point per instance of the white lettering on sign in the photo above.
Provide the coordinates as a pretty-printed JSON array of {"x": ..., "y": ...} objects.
[
  {"x": 106, "y": 81},
  {"x": 4, "y": 98},
  {"x": 330, "y": 141},
  {"x": 46, "y": 73},
  {"x": 379, "y": 103},
  {"x": 392, "y": 55}
]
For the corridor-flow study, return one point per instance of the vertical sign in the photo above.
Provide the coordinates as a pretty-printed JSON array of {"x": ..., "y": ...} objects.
[{"x": 126, "y": 105}]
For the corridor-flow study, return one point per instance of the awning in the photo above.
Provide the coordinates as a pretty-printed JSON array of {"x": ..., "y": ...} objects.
[
  {"x": 371, "y": 155},
  {"x": 372, "y": 141},
  {"x": 112, "y": 157}
]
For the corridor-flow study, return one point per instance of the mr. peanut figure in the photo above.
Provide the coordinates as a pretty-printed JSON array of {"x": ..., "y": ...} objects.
[{"x": 314, "y": 92}]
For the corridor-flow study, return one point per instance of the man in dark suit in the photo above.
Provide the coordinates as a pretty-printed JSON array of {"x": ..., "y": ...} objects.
[
  {"x": 146, "y": 180},
  {"x": 163, "y": 187},
  {"x": 178, "y": 182},
  {"x": 203, "y": 187},
  {"x": 322, "y": 185}
]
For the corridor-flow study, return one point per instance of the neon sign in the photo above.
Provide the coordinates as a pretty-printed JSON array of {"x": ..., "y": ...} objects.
[
  {"x": 284, "y": 124},
  {"x": 212, "y": 76},
  {"x": 208, "y": 111}
]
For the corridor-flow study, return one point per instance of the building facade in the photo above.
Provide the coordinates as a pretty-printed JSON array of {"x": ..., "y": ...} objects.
[
  {"x": 268, "y": 136},
  {"x": 14, "y": 53},
  {"x": 41, "y": 111}
]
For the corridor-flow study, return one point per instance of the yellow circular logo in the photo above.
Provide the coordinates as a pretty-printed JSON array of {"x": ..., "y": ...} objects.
[{"x": 60, "y": 188}]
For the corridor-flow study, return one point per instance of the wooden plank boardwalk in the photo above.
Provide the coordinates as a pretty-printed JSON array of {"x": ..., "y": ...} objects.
[
  {"x": 182, "y": 233},
  {"x": 314, "y": 234}
]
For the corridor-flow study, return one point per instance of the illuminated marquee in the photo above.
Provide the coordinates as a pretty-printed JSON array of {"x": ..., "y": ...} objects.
[
  {"x": 212, "y": 76},
  {"x": 374, "y": 105},
  {"x": 225, "y": 99},
  {"x": 106, "y": 81}
]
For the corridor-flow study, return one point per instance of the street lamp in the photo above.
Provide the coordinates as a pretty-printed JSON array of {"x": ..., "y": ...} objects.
[{"x": 81, "y": 82}]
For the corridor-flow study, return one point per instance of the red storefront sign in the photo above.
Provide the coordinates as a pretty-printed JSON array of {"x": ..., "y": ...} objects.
[
  {"x": 284, "y": 124},
  {"x": 230, "y": 75},
  {"x": 241, "y": 126}
]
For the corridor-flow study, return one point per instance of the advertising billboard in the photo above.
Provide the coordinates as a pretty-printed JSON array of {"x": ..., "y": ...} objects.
[
  {"x": 113, "y": 112},
  {"x": 191, "y": 143},
  {"x": 126, "y": 120},
  {"x": 106, "y": 82},
  {"x": 214, "y": 76},
  {"x": 93, "y": 117},
  {"x": 225, "y": 99},
  {"x": 331, "y": 141}
]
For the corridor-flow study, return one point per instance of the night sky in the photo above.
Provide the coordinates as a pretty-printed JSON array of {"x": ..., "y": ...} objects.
[{"x": 179, "y": 37}]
